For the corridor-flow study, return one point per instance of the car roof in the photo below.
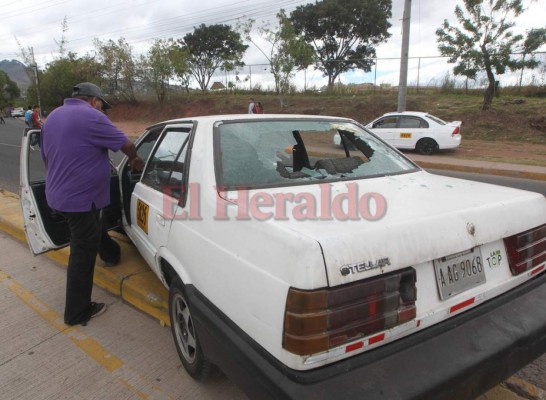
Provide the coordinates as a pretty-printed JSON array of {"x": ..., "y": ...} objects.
[
  {"x": 243, "y": 117},
  {"x": 415, "y": 113}
]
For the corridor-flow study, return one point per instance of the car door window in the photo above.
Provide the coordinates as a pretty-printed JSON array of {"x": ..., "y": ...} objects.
[
  {"x": 412, "y": 122},
  {"x": 385, "y": 123},
  {"x": 36, "y": 166},
  {"x": 165, "y": 168},
  {"x": 145, "y": 147}
]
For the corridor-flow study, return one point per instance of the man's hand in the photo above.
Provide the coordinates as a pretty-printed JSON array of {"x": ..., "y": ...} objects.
[{"x": 136, "y": 163}]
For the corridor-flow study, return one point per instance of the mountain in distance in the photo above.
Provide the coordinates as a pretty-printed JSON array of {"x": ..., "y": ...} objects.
[{"x": 16, "y": 71}]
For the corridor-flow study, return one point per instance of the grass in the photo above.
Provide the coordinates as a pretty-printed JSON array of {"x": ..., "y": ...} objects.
[{"x": 512, "y": 118}]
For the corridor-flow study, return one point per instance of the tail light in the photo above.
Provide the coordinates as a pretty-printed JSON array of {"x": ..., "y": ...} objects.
[
  {"x": 455, "y": 131},
  {"x": 526, "y": 250},
  {"x": 317, "y": 320}
]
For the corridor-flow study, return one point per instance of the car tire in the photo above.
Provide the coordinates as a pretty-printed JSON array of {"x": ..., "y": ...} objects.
[
  {"x": 426, "y": 146},
  {"x": 184, "y": 333}
]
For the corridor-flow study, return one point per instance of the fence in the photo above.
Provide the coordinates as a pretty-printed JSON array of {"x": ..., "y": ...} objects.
[{"x": 422, "y": 72}]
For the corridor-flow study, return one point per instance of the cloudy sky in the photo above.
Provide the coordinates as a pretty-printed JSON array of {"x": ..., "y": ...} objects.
[{"x": 38, "y": 24}]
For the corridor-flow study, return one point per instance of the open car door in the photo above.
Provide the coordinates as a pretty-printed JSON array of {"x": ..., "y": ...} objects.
[{"x": 46, "y": 229}]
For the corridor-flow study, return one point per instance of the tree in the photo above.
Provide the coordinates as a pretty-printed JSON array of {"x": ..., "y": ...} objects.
[
  {"x": 286, "y": 53},
  {"x": 9, "y": 90},
  {"x": 536, "y": 38},
  {"x": 31, "y": 68},
  {"x": 119, "y": 68},
  {"x": 157, "y": 67},
  {"x": 181, "y": 67},
  {"x": 59, "y": 77},
  {"x": 483, "y": 42},
  {"x": 62, "y": 43},
  {"x": 343, "y": 33},
  {"x": 212, "y": 47}
]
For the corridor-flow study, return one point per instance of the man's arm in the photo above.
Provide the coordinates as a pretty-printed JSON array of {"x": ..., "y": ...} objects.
[{"x": 129, "y": 149}]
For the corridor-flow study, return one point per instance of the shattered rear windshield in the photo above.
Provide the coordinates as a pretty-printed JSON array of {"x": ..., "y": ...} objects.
[{"x": 273, "y": 153}]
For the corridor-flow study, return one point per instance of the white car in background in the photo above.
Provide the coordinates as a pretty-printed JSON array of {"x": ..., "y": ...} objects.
[
  {"x": 18, "y": 112},
  {"x": 417, "y": 130},
  {"x": 305, "y": 273},
  {"x": 414, "y": 130}
]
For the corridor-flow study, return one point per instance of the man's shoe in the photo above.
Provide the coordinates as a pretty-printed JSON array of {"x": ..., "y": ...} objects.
[
  {"x": 97, "y": 309},
  {"x": 109, "y": 264}
]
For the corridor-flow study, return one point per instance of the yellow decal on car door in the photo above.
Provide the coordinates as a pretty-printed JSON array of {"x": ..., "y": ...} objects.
[{"x": 142, "y": 212}]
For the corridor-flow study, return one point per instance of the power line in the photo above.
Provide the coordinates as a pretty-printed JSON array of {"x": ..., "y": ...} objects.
[{"x": 162, "y": 28}]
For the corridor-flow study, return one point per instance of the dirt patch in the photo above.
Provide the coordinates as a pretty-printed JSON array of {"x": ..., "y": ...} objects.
[
  {"x": 506, "y": 152},
  {"x": 133, "y": 129}
]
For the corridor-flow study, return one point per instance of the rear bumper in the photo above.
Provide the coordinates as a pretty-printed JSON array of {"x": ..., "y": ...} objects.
[
  {"x": 456, "y": 359},
  {"x": 452, "y": 143}
]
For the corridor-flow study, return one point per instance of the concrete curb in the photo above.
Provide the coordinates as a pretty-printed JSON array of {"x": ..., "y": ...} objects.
[
  {"x": 525, "y": 389},
  {"x": 132, "y": 279},
  {"x": 479, "y": 167},
  {"x": 540, "y": 176}
]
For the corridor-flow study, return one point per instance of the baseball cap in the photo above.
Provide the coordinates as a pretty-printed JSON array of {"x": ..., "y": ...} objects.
[{"x": 90, "y": 89}]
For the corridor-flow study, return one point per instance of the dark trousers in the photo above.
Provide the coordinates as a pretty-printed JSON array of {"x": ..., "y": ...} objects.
[{"x": 87, "y": 238}]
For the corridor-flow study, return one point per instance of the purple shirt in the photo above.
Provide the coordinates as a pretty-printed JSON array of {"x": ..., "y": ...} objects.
[{"x": 75, "y": 142}]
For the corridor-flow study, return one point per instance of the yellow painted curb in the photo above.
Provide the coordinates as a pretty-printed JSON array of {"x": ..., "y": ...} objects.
[
  {"x": 525, "y": 389},
  {"x": 131, "y": 279},
  {"x": 11, "y": 220},
  {"x": 148, "y": 294}
]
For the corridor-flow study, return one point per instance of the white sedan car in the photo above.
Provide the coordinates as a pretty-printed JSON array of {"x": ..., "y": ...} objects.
[
  {"x": 18, "y": 112},
  {"x": 417, "y": 131},
  {"x": 304, "y": 272}
]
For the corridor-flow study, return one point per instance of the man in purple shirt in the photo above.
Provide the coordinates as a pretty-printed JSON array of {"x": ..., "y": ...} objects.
[{"x": 75, "y": 139}]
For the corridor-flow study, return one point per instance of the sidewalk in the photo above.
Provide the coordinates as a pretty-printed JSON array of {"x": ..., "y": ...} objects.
[
  {"x": 131, "y": 279},
  {"x": 134, "y": 282}
]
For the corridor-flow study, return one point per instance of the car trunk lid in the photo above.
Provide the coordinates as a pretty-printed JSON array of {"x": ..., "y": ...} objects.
[{"x": 378, "y": 225}]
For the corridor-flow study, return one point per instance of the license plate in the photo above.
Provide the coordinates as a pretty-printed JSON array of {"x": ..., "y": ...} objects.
[
  {"x": 459, "y": 272},
  {"x": 142, "y": 212}
]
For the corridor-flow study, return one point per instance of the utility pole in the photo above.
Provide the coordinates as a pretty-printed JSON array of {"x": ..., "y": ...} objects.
[
  {"x": 403, "y": 81},
  {"x": 35, "y": 69}
]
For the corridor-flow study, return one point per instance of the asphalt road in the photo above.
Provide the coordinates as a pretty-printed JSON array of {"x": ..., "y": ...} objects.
[
  {"x": 519, "y": 183},
  {"x": 10, "y": 146}
]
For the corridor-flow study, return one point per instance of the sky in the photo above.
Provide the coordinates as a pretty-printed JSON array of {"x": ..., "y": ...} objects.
[{"x": 38, "y": 24}]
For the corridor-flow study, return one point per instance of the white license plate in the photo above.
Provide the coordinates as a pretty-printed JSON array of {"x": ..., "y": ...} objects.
[{"x": 459, "y": 272}]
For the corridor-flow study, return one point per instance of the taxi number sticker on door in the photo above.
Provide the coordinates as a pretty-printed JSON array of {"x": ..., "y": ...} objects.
[
  {"x": 405, "y": 135},
  {"x": 142, "y": 211}
]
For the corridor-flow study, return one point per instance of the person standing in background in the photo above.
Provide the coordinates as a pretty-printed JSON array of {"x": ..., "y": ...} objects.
[
  {"x": 35, "y": 121},
  {"x": 28, "y": 116}
]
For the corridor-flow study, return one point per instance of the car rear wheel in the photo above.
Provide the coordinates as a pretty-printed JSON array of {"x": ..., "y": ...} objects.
[
  {"x": 426, "y": 146},
  {"x": 184, "y": 333}
]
